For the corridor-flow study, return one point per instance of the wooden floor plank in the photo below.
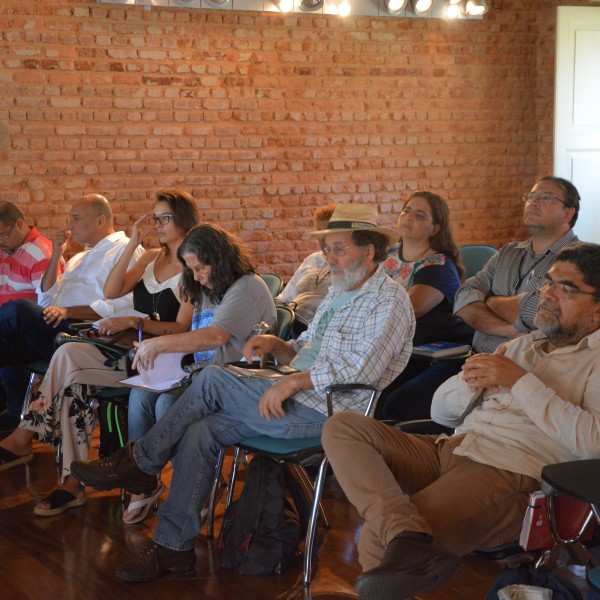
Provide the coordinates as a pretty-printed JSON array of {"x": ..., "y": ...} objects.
[{"x": 74, "y": 555}]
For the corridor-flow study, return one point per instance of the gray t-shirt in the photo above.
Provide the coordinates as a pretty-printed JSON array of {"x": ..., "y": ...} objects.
[{"x": 246, "y": 303}]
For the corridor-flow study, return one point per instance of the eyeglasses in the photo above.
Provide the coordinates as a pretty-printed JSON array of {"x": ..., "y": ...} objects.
[
  {"x": 6, "y": 234},
  {"x": 543, "y": 197},
  {"x": 337, "y": 250},
  {"x": 566, "y": 290},
  {"x": 164, "y": 219}
]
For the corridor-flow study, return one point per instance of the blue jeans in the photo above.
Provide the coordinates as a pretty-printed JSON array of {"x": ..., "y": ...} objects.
[
  {"x": 24, "y": 338},
  {"x": 218, "y": 409},
  {"x": 146, "y": 408}
]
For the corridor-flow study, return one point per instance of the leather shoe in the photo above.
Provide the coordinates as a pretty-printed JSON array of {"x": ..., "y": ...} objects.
[
  {"x": 411, "y": 564},
  {"x": 156, "y": 561},
  {"x": 115, "y": 471}
]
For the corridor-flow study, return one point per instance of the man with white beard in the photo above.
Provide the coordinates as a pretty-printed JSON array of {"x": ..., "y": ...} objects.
[
  {"x": 427, "y": 499},
  {"x": 361, "y": 333}
]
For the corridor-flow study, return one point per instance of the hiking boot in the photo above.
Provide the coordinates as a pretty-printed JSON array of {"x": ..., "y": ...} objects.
[
  {"x": 156, "y": 561},
  {"x": 115, "y": 471},
  {"x": 411, "y": 564}
]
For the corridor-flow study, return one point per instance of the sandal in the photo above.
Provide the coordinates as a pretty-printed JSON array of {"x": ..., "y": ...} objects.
[
  {"x": 145, "y": 504},
  {"x": 8, "y": 459},
  {"x": 59, "y": 501}
]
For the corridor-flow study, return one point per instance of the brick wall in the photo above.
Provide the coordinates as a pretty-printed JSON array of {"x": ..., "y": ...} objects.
[{"x": 264, "y": 117}]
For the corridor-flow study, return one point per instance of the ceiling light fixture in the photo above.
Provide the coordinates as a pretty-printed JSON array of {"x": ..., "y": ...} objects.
[
  {"x": 395, "y": 6},
  {"x": 286, "y": 6},
  {"x": 454, "y": 9},
  {"x": 476, "y": 8},
  {"x": 421, "y": 7},
  {"x": 344, "y": 8},
  {"x": 311, "y": 5}
]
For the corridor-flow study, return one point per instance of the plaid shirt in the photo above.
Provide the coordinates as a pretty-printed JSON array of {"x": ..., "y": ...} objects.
[
  {"x": 513, "y": 271},
  {"x": 368, "y": 340}
]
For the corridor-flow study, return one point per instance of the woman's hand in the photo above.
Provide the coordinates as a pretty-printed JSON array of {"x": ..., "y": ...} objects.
[
  {"x": 140, "y": 229},
  {"x": 146, "y": 354},
  {"x": 116, "y": 324}
]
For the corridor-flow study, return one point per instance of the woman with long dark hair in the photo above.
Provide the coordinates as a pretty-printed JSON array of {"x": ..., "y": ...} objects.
[{"x": 229, "y": 300}]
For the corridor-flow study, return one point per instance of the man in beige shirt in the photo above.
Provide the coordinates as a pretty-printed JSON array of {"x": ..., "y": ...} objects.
[{"x": 427, "y": 500}]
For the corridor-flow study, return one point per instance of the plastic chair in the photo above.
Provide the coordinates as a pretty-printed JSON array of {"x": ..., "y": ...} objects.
[
  {"x": 301, "y": 453},
  {"x": 285, "y": 322},
  {"x": 475, "y": 257},
  {"x": 274, "y": 283}
]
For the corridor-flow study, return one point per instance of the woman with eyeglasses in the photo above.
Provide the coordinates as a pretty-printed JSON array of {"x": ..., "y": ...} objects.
[
  {"x": 426, "y": 262},
  {"x": 62, "y": 410}
]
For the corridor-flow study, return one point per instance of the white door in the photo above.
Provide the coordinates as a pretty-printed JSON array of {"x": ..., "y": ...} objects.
[{"x": 577, "y": 116}]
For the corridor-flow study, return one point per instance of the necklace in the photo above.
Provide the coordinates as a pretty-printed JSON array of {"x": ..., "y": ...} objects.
[{"x": 155, "y": 316}]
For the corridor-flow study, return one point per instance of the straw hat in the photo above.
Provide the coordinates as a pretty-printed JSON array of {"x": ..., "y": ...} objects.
[{"x": 356, "y": 217}]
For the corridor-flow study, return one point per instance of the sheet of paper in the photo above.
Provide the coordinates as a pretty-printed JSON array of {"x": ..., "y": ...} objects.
[{"x": 166, "y": 374}]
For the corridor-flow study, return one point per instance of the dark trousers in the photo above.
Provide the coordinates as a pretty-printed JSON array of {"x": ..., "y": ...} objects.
[
  {"x": 409, "y": 396},
  {"x": 24, "y": 338}
]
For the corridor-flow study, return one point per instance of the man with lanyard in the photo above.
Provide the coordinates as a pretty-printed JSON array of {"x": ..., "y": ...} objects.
[
  {"x": 24, "y": 256},
  {"x": 361, "y": 333},
  {"x": 500, "y": 301}
]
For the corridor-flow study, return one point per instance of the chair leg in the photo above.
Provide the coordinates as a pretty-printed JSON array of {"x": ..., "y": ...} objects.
[
  {"x": 210, "y": 527},
  {"x": 309, "y": 490},
  {"x": 33, "y": 377},
  {"x": 238, "y": 455},
  {"x": 312, "y": 523}
]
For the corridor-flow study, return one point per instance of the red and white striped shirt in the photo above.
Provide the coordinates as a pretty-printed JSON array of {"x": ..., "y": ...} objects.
[{"x": 22, "y": 271}]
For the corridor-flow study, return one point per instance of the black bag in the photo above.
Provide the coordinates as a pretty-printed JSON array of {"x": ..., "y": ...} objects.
[
  {"x": 261, "y": 531},
  {"x": 562, "y": 588},
  {"x": 113, "y": 427}
]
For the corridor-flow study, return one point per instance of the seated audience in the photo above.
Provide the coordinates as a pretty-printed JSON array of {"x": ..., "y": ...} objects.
[
  {"x": 361, "y": 333},
  {"x": 24, "y": 256},
  {"x": 500, "y": 301},
  {"x": 229, "y": 300},
  {"x": 427, "y": 263},
  {"x": 28, "y": 330},
  {"x": 61, "y": 411},
  {"x": 427, "y": 500},
  {"x": 310, "y": 283}
]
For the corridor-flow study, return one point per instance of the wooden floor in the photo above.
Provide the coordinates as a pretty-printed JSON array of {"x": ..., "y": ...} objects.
[{"x": 74, "y": 555}]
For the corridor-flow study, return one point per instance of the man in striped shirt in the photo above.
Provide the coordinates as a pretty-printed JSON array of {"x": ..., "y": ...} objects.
[{"x": 24, "y": 256}]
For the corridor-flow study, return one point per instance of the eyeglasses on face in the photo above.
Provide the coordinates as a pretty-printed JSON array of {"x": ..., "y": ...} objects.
[
  {"x": 543, "y": 197},
  {"x": 337, "y": 250},
  {"x": 164, "y": 219},
  {"x": 6, "y": 234},
  {"x": 565, "y": 290}
]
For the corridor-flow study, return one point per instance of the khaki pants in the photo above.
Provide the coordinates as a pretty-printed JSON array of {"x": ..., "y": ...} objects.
[{"x": 402, "y": 482}]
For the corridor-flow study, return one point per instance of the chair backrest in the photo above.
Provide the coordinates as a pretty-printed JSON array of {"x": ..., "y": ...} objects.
[
  {"x": 285, "y": 320},
  {"x": 274, "y": 283},
  {"x": 475, "y": 257}
]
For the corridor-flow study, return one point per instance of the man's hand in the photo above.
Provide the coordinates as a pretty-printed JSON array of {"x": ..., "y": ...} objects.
[
  {"x": 260, "y": 345},
  {"x": 272, "y": 400},
  {"x": 53, "y": 315},
  {"x": 60, "y": 241},
  {"x": 491, "y": 371}
]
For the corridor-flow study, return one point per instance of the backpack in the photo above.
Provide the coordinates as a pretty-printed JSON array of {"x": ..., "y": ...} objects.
[
  {"x": 261, "y": 531},
  {"x": 562, "y": 588},
  {"x": 113, "y": 427}
]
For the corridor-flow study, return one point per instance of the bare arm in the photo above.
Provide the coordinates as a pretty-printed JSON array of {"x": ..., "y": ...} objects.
[
  {"x": 504, "y": 307},
  {"x": 424, "y": 298},
  {"x": 480, "y": 317},
  {"x": 59, "y": 245},
  {"x": 271, "y": 403},
  {"x": 53, "y": 315},
  {"x": 269, "y": 344}
]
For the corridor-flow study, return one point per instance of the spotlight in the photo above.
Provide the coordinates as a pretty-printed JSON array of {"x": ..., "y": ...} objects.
[
  {"x": 311, "y": 5},
  {"x": 420, "y": 7},
  {"x": 453, "y": 9},
  {"x": 476, "y": 8},
  {"x": 344, "y": 8},
  {"x": 395, "y": 6},
  {"x": 286, "y": 6}
]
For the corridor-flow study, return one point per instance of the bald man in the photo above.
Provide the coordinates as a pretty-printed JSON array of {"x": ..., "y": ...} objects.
[{"x": 27, "y": 328}]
